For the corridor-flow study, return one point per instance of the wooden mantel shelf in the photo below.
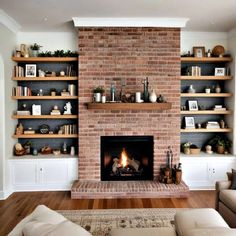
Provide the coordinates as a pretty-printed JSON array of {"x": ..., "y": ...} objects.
[{"x": 129, "y": 106}]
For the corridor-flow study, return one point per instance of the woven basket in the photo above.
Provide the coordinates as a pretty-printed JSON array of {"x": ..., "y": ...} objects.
[
  {"x": 195, "y": 150},
  {"x": 218, "y": 50}
]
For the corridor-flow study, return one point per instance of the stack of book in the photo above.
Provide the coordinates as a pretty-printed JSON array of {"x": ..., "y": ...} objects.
[
  {"x": 212, "y": 125},
  {"x": 69, "y": 129},
  {"x": 195, "y": 71},
  {"x": 55, "y": 112},
  {"x": 21, "y": 91},
  {"x": 18, "y": 71},
  {"x": 219, "y": 108}
]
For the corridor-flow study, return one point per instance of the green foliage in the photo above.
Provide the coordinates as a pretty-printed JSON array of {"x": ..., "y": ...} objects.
[
  {"x": 99, "y": 89},
  {"x": 59, "y": 53},
  {"x": 35, "y": 46},
  {"x": 220, "y": 141}
]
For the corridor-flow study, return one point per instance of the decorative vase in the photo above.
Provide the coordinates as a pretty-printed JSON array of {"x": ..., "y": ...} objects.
[
  {"x": 97, "y": 97},
  {"x": 34, "y": 53},
  {"x": 152, "y": 96},
  {"x": 220, "y": 149},
  {"x": 186, "y": 150},
  {"x": 191, "y": 89},
  {"x": 218, "y": 89}
]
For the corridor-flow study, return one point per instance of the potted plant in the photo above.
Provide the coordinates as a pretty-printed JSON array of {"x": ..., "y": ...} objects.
[
  {"x": 186, "y": 148},
  {"x": 97, "y": 92},
  {"x": 220, "y": 144},
  {"x": 35, "y": 49}
]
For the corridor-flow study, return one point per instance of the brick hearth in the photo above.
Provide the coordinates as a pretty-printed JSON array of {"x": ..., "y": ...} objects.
[
  {"x": 127, "y": 189},
  {"x": 110, "y": 54}
]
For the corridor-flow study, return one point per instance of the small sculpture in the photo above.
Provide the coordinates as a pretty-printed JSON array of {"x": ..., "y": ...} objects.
[
  {"x": 41, "y": 73},
  {"x": 19, "y": 129},
  {"x": 67, "y": 108},
  {"x": 145, "y": 90}
]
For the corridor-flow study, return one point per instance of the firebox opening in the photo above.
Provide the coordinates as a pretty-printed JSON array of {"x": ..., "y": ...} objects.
[{"x": 126, "y": 158}]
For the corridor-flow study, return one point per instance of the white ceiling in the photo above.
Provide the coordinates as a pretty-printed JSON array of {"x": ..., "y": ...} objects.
[{"x": 56, "y": 15}]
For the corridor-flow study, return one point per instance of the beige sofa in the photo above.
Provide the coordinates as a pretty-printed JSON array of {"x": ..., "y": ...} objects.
[
  {"x": 46, "y": 222},
  {"x": 226, "y": 202}
]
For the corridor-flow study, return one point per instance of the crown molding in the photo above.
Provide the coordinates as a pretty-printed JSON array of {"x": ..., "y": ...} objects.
[
  {"x": 9, "y": 22},
  {"x": 130, "y": 22}
]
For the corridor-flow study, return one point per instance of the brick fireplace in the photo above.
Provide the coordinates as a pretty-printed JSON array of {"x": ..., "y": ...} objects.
[{"x": 110, "y": 55}]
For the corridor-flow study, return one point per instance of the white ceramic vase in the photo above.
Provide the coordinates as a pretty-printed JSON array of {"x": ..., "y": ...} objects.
[
  {"x": 152, "y": 96},
  {"x": 97, "y": 97}
]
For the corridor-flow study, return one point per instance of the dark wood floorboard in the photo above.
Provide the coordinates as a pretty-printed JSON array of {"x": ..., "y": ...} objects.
[{"x": 19, "y": 205}]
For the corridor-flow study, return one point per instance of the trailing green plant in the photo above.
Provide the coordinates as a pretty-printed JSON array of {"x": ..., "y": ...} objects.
[
  {"x": 186, "y": 145},
  {"x": 99, "y": 89},
  {"x": 220, "y": 141},
  {"x": 35, "y": 46},
  {"x": 59, "y": 53}
]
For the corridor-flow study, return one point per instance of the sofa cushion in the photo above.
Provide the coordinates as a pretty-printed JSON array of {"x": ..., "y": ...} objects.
[
  {"x": 65, "y": 228},
  {"x": 41, "y": 213},
  {"x": 167, "y": 231},
  {"x": 212, "y": 232},
  {"x": 197, "y": 218},
  {"x": 228, "y": 197}
]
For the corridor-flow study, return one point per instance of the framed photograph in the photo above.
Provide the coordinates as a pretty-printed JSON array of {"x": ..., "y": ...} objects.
[
  {"x": 30, "y": 70},
  {"x": 192, "y": 105},
  {"x": 189, "y": 122},
  {"x": 199, "y": 51},
  {"x": 219, "y": 71},
  {"x": 36, "y": 110}
]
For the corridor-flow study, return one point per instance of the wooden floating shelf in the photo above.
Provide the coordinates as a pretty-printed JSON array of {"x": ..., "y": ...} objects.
[
  {"x": 206, "y": 77},
  {"x": 205, "y": 94},
  {"x": 206, "y": 112},
  {"x": 57, "y": 78},
  {"x": 43, "y": 97},
  {"x": 44, "y": 59},
  {"x": 129, "y": 106},
  {"x": 206, "y": 130},
  {"x": 45, "y": 117},
  {"x": 46, "y": 136},
  {"x": 206, "y": 59}
]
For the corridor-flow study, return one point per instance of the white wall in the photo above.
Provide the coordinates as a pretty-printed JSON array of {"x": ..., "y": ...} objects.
[
  {"x": 206, "y": 39},
  {"x": 50, "y": 41},
  {"x": 232, "y": 49},
  {"x": 7, "y": 126}
]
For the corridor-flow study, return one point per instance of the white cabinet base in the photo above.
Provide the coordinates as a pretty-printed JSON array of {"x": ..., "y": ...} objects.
[
  {"x": 43, "y": 174},
  {"x": 200, "y": 172}
]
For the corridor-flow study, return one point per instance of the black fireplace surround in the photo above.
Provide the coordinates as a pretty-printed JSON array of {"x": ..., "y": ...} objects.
[{"x": 126, "y": 158}]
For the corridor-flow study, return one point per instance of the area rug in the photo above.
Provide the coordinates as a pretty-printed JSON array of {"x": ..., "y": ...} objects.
[{"x": 100, "y": 222}]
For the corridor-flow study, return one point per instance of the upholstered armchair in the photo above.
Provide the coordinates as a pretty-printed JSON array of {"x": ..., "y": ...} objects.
[{"x": 226, "y": 202}]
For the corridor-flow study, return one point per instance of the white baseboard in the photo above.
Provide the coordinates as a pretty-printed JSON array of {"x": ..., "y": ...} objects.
[{"x": 5, "y": 194}]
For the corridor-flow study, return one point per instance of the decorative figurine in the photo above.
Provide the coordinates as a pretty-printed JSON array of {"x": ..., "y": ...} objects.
[
  {"x": 145, "y": 90},
  {"x": 19, "y": 129},
  {"x": 67, "y": 108}
]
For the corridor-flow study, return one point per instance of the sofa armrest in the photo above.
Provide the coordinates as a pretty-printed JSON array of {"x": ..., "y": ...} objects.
[{"x": 220, "y": 185}]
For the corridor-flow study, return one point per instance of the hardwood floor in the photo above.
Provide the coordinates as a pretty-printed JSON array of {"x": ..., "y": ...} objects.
[{"x": 18, "y": 205}]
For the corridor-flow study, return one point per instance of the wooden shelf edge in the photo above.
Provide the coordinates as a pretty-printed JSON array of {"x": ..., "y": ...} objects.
[
  {"x": 205, "y": 94},
  {"x": 206, "y": 59},
  {"x": 45, "y": 117},
  {"x": 46, "y": 136},
  {"x": 43, "y": 97},
  {"x": 56, "y": 78},
  {"x": 129, "y": 106},
  {"x": 206, "y": 130},
  {"x": 206, "y": 77},
  {"x": 206, "y": 112},
  {"x": 44, "y": 59}
]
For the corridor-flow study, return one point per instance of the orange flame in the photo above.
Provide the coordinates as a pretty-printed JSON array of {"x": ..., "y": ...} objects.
[{"x": 124, "y": 158}]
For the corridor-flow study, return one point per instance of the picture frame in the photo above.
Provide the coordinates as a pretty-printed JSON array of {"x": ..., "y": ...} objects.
[
  {"x": 193, "y": 105},
  {"x": 199, "y": 51},
  {"x": 36, "y": 110},
  {"x": 220, "y": 71},
  {"x": 189, "y": 122},
  {"x": 30, "y": 70}
]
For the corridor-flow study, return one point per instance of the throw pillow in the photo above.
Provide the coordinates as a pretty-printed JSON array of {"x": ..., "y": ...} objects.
[{"x": 233, "y": 185}]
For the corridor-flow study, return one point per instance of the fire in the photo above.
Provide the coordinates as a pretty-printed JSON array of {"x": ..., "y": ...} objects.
[{"x": 124, "y": 158}]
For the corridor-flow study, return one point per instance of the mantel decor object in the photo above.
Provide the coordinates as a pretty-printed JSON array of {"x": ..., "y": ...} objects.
[{"x": 145, "y": 90}]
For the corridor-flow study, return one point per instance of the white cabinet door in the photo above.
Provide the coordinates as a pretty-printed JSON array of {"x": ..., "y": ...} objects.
[
  {"x": 53, "y": 171},
  {"x": 24, "y": 172},
  {"x": 195, "y": 173}
]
